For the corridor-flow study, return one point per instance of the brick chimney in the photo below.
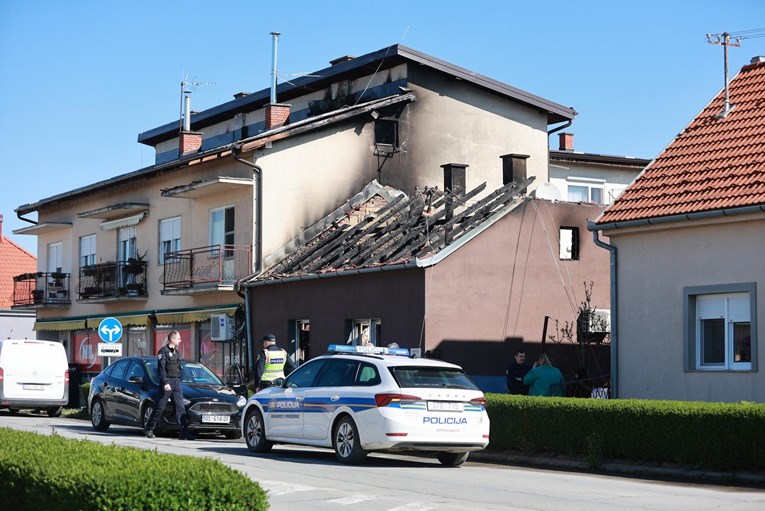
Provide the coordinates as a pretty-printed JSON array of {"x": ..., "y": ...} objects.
[
  {"x": 189, "y": 142},
  {"x": 566, "y": 141},
  {"x": 276, "y": 115},
  {"x": 513, "y": 168}
]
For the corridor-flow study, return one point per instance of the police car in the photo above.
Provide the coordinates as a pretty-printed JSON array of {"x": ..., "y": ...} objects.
[{"x": 362, "y": 399}]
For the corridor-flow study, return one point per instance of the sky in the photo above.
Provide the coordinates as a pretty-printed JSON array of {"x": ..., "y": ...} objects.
[{"x": 79, "y": 80}]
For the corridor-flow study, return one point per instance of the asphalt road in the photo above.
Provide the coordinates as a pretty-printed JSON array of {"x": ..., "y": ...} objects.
[{"x": 301, "y": 478}]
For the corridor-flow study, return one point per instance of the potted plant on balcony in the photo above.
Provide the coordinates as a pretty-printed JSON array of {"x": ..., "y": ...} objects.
[{"x": 136, "y": 265}]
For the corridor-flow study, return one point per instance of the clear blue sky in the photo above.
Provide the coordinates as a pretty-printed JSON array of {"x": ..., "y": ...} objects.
[{"x": 80, "y": 79}]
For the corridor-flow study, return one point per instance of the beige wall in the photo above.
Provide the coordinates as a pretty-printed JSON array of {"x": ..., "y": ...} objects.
[
  {"x": 654, "y": 265},
  {"x": 194, "y": 233},
  {"x": 614, "y": 179}
]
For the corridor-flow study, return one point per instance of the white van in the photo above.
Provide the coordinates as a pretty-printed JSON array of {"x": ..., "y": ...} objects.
[{"x": 33, "y": 374}]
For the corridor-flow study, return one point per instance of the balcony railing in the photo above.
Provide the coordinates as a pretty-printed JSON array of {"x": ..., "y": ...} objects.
[
  {"x": 113, "y": 280},
  {"x": 41, "y": 288},
  {"x": 216, "y": 265}
]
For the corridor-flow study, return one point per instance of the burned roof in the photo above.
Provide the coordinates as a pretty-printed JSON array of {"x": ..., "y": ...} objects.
[{"x": 383, "y": 233}]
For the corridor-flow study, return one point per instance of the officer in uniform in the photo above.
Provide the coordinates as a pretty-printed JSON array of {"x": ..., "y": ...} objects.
[
  {"x": 273, "y": 363},
  {"x": 169, "y": 367}
]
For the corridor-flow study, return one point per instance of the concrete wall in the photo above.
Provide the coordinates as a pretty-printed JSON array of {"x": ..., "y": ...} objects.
[
  {"x": 490, "y": 297},
  {"x": 17, "y": 324},
  {"x": 454, "y": 122},
  {"x": 394, "y": 297},
  {"x": 654, "y": 265}
]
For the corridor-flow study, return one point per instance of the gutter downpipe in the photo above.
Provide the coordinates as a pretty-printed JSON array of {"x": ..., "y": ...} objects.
[
  {"x": 562, "y": 127},
  {"x": 258, "y": 234},
  {"x": 614, "y": 309},
  {"x": 18, "y": 215}
]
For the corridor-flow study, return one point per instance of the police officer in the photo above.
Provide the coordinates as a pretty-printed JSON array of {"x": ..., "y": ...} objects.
[
  {"x": 169, "y": 366},
  {"x": 273, "y": 363}
]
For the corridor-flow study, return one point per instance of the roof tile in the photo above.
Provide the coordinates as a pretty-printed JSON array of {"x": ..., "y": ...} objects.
[
  {"x": 713, "y": 164},
  {"x": 14, "y": 260}
]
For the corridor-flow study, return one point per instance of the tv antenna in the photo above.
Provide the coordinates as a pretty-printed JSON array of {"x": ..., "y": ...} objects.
[
  {"x": 187, "y": 88},
  {"x": 725, "y": 40}
]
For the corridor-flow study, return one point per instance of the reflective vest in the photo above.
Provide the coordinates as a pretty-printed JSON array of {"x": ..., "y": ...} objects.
[{"x": 274, "y": 367}]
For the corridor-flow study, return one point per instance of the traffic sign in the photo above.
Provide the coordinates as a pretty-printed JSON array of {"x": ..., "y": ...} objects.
[
  {"x": 107, "y": 349},
  {"x": 110, "y": 330}
]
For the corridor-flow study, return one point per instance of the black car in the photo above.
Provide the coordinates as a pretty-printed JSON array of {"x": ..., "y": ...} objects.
[{"x": 126, "y": 392}]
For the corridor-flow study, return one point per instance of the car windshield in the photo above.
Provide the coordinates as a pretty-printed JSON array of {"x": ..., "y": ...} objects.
[
  {"x": 190, "y": 373},
  {"x": 432, "y": 377}
]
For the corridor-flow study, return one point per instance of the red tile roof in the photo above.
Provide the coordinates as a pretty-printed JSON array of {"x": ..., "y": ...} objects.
[
  {"x": 715, "y": 163},
  {"x": 14, "y": 260}
]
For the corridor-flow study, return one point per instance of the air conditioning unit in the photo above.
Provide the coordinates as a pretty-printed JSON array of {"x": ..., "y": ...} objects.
[{"x": 221, "y": 327}]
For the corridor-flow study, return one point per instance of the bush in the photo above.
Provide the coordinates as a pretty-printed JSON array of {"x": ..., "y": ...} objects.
[
  {"x": 691, "y": 433},
  {"x": 51, "y": 472}
]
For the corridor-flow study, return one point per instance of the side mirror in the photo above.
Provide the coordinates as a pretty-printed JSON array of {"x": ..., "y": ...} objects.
[
  {"x": 136, "y": 379},
  {"x": 279, "y": 382}
]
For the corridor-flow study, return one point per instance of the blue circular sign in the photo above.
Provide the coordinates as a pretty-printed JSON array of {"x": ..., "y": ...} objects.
[{"x": 110, "y": 330}]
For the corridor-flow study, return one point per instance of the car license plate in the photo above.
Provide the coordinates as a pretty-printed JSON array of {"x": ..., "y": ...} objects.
[
  {"x": 216, "y": 419},
  {"x": 445, "y": 406},
  {"x": 29, "y": 386}
]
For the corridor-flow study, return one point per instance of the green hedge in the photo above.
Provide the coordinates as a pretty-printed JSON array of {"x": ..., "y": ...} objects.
[
  {"x": 715, "y": 436},
  {"x": 51, "y": 472}
]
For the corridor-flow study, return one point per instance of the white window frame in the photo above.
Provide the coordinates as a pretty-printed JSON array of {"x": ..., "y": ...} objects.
[
  {"x": 568, "y": 238},
  {"x": 87, "y": 250},
  {"x": 127, "y": 247},
  {"x": 55, "y": 262},
  {"x": 169, "y": 237},
  {"x": 217, "y": 237},
  {"x": 734, "y": 304},
  {"x": 590, "y": 185}
]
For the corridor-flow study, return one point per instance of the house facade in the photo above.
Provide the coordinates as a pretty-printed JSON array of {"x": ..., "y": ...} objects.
[
  {"x": 686, "y": 240},
  {"x": 163, "y": 247},
  {"x": 470, "y": 285},
  {"x": 14, "y": 261},
  {"x": 578, "y": 176}
]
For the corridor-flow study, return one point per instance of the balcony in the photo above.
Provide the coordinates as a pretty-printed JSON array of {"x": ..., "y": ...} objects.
[
  {"x": 113, "y": 281},
  {"x": 206, "y": 269},
  {"x": 41, "y": 289}
]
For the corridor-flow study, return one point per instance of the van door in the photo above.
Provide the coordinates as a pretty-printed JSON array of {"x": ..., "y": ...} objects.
[{"x": 34, "y": 370}]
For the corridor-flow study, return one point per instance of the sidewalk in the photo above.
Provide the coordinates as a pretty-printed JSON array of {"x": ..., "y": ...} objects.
[{"x": 662, "y": 472}]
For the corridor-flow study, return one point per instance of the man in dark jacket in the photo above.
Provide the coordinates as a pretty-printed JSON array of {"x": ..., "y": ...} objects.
[
  {"x": 169, "y": 368},
  {"x": 515, "y": 373},
  {"x": 273, "y": 362}
]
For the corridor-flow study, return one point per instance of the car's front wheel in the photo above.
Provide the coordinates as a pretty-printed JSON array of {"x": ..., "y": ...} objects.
[
  {"x": 98, "y": 416},
  {"x": 452, "y": 459},
  {"x": 347, "y": 442},
  {"x": 255, "y": 432}
]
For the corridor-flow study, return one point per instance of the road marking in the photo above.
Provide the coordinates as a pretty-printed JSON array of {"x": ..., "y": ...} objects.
[
  {"x": 280, "y": 488},
  {"x": 415, "y": 506},
  {"x": 352, "y": 499}
]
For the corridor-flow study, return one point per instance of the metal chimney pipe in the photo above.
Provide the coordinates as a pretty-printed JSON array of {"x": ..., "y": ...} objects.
[
  {"x": 187, "y": 111},
  {"x": 274, "y": 45}
]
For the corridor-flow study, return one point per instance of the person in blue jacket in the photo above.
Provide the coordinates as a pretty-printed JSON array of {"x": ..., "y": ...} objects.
[{"x": 544, "y": 379}]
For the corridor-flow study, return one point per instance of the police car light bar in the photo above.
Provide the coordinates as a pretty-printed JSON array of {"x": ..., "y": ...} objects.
[{"x": 377, "y": 350}]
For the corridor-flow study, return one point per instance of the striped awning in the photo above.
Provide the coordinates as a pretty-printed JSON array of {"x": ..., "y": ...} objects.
[
  {"x": 59, "y": 325},
  {"x": 192, "y": 316},
  {"x": 123, "y": 222}
]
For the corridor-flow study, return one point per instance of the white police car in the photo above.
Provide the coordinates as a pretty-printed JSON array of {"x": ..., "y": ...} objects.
[{"x": 357, "y": 400}]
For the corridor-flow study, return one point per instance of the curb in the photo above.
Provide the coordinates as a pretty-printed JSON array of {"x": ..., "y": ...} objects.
[{"x": 627, "y": 469}]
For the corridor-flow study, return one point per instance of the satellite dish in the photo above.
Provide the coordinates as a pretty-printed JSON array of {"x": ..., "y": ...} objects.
[{"x": 547, "y": 191}]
